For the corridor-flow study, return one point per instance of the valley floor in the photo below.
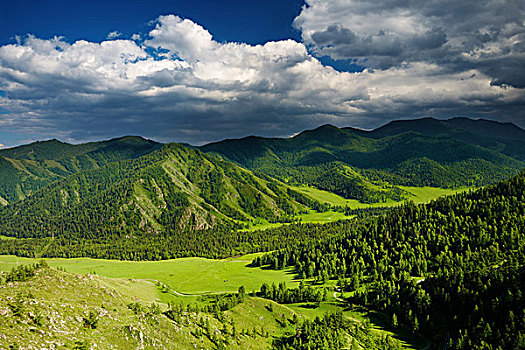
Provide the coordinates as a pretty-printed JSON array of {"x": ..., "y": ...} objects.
[{"x": 63, "y": 296}]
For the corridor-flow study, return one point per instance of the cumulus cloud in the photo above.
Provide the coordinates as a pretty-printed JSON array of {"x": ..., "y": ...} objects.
[
  {"x": 180, "y": 84},
  {"x": 113, "y": 35},
  {"x": 487, "y": 35}
]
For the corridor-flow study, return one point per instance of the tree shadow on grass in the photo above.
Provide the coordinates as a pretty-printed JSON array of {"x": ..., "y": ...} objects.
[
  {"x": 308, "y": 305},
  {"x": 402, "y": 332}
]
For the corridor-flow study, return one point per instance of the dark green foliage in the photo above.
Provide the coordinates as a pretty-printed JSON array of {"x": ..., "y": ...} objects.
[
  {"x": 17, "y": 306},
  {"x": 283, "y": 295},
  {"x": 324, "y": 334},
  {"x": 212, "y": 243},
  {"x": 221, "y": 302},
  {"x": 139, "y": 309},
  {"x": 334, "y": 331},
  {"x": 457, "y": 262},
  {"x": 82, "y": 345},
  {"x": 91, "y": 320},
  {"x": 23, "y": 273},
  {"x": 172, "y": 189}
]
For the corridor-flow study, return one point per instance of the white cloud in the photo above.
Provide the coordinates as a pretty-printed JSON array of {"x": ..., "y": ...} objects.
[
  {"x": 196, "y": 89},
  {"x": 113, "y": 35}
]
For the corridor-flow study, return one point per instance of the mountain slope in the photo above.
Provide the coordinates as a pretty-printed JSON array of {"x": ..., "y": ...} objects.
[
  {"x": 26, "y": 169},
  {"x": 54, "y": 309},
  {"x": 173, "y": 188},
  {"x": 506, "y": 138},
  {"x": 364, "y": 165}
]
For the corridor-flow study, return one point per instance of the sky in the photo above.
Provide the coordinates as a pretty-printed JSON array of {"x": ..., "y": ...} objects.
[{"x": 202, "y": 71}]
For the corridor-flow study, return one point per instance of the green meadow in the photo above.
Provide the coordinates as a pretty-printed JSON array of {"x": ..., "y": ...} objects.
[
  {"x": 328, "y": 216},
  {"x": 426, "y": 194},
  {"x": 192, "y": 278},
  {"x": 416, "y": 194},
  {"x": 186, "y": 276}
]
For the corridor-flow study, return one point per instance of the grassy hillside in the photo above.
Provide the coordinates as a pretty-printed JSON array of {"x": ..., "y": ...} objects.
[
  {"x": 369, "y": 166},
  {"x": 28, "y": 168},
  {"x": 44, "y": 307},
  {"x": 415, "y": 194},
  {"x": 74, "y": 311}
]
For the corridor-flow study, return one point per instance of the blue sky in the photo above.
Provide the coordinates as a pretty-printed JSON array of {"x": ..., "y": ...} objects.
[
  {"x": 252, "y": 22},
  {"x": 200, "y": 71}
]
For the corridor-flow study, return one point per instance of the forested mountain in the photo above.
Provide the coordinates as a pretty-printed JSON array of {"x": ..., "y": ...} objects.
[
  {"x": 366, "y": 165},
  {"x": 506, "y": 138},
  {"x": 173, "y": 188},
  {"x": 452, "y": 270},
  {"x": 456, "y": 264},
  {"x": 26, "y": 169},
  {"x": 356, "y": 164}
]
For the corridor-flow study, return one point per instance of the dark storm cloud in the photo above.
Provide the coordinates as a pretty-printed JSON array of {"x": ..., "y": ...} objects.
[
  {"x": 342, "y": 43},
  {"x": 470, "y": 34}
]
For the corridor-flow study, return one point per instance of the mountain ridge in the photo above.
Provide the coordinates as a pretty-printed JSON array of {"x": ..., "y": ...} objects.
[
  {"x": 28, "y": 168},
  {"x": 398, "y": 153},
  {"x": 172, "y": 188},
  {"x": 366, "y": 165}
]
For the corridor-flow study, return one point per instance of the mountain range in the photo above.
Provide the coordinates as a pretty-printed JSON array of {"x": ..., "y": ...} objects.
[
  {"x": 28, "y": 168},
  {"x": 133, "y": 185},
  {"x": 367, "y": 165}
]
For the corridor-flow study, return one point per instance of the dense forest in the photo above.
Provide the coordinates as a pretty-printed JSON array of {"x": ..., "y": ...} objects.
[
  {"x": 211, "y": 243},
  {"x": 457, "y": 263}
]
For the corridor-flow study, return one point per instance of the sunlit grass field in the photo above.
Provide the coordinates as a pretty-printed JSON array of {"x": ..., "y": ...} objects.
[
  {"x": 426, "y": 194},
  {"x": 417, "y": 194},
  {"x": 196, "y": 277},
  {"x": 185, "y": 275}
]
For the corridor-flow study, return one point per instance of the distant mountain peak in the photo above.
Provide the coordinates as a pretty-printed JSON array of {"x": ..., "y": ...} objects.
[{"x": 321, "y": 132}]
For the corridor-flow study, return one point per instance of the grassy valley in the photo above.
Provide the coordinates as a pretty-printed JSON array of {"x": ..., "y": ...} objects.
[
  {"x": 71, "y": 311},
  {"x": 332, "y": 239},
  {"x": 83, "y": 311},
  {"x": 415, "y": 194},
  {"x": 187, "y": 276}
]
